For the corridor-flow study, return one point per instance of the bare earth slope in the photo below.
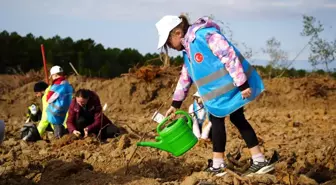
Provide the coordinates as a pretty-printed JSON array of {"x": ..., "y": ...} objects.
[{"x": 296, "y": 117}]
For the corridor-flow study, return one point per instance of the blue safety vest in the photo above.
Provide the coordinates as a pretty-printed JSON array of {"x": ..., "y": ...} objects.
[
  {"x": 57, "y": 110},
  {"x": 216, "y": 87}
]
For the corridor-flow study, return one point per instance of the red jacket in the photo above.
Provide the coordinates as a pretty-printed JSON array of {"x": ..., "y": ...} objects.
[{"x": 93, "y": 106}]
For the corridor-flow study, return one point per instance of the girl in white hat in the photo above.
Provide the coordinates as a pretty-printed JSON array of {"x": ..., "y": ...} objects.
[
  {"x": 201, "y": 123},
  {"x": 59, "y": 97},
  {"x": 224, "y": 79}
]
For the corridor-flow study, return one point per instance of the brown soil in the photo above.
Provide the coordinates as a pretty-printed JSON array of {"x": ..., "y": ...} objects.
[{"x": 296, "y": 117}]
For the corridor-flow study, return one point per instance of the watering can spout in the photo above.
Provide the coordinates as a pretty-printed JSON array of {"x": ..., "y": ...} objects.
[{"x": 159, "y": 145}]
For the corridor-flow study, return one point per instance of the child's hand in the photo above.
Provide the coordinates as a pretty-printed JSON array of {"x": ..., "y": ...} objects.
[
  {"x": 171, "y": 112},
  {"x": 246, "y": 93}
]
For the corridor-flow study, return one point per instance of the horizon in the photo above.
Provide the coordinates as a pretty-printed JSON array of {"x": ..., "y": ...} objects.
[
  {"x": 297, "y": 64},
  {"x": 131, "y": 24}
]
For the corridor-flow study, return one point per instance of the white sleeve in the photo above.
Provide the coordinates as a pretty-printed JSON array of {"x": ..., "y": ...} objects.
[
  {"x": 53, "y": 97},
  {"x": 191, "y": 108}
]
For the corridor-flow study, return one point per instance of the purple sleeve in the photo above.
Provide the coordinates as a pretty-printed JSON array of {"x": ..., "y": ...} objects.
[
  {"x": 183, "y": 85},
  {"x": 221, "y": 48}
]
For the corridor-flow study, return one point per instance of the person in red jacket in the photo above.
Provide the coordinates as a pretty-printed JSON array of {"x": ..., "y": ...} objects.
[{"x": 85, "y": 116}]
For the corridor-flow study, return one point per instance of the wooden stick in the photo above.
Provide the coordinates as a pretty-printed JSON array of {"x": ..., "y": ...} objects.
[
  {"x": 329, "y": 155},
  {"x": 140, "y": 161},
  {"x": 101, "y": 122},
  {"x": 290, "y": 179},
  {"x": 101, "y": 126},
  {"x": 143, "y": 135},
  {"x": 129, "y": 160},
  {"x": 74, "y": 69},
  {"x": 130, "y": 130},
  {"x": 44, "y": 64}
]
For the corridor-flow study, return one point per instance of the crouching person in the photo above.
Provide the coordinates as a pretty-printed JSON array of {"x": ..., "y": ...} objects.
[
  {"x": 30, "y": 132},
  {"x": 86, "y": 117},
  {"x": 201, "y": 123},
  {"x": 34, "y": 113}
]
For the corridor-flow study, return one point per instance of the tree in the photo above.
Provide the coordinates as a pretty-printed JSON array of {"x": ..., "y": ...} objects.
[
  {"x": 81, "y": 67},
  {"x": 177, "y": 61},
  {"x": 278, "y": 57},
  {"x": 322, "y": 51},
  {"x": 20, "y": 54}
]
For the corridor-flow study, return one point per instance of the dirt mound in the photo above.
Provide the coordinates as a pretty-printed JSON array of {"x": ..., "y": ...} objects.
[
  {"x": 10, "y": 82},
  {"x": 295, "y": 117},
  {"x": 58, "y": 172},
  {"x": 147, "y": 73}
]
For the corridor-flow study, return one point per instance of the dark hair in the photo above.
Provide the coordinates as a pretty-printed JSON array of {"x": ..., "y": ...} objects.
[
  {"x": 184, "y": 25},
  {"x": 83, "y": 93},
  {"x": 40, "y": 86},
  {"x": 61, "y": 74}
]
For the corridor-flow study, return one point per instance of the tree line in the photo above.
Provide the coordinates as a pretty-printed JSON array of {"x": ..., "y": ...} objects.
[{"x": 20, "y": 54}]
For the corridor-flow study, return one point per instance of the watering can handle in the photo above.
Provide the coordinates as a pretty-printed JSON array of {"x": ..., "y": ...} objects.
[{"x": 167, "y": 118}]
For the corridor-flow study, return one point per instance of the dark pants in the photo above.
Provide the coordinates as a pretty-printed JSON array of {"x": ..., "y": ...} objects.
[
  {"x": 108, "y": 131},
  {"x": 238, "y": 119},
  {"x": 59, "y": 131}
]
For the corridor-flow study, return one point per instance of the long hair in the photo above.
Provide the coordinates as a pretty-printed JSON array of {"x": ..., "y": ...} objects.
[{"x": 184, "y": 26}]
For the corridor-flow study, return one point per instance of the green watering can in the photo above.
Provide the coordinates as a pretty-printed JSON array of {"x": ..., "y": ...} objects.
[{"x": 177, "y": 138}]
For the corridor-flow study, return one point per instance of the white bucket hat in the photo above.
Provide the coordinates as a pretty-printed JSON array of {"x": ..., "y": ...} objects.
[
  {"x": 33, "y": 109},
  {"x": 55, "y": 70},
  {"x": 164, "y": 26}
]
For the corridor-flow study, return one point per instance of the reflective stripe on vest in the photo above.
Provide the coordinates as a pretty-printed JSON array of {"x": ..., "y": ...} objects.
[
  {"x": 219, "y": 92},
  {"x": 54, "y": 113},
  {"x": 220, "y": 73},
  {"x": 58, "y": 108},
  {"x": 55, "y": 110},
  {"x": 216, "y": 75}
]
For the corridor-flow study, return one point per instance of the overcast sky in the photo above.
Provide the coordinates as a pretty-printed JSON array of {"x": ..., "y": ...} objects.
[{"x": 131, "y": 23}]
